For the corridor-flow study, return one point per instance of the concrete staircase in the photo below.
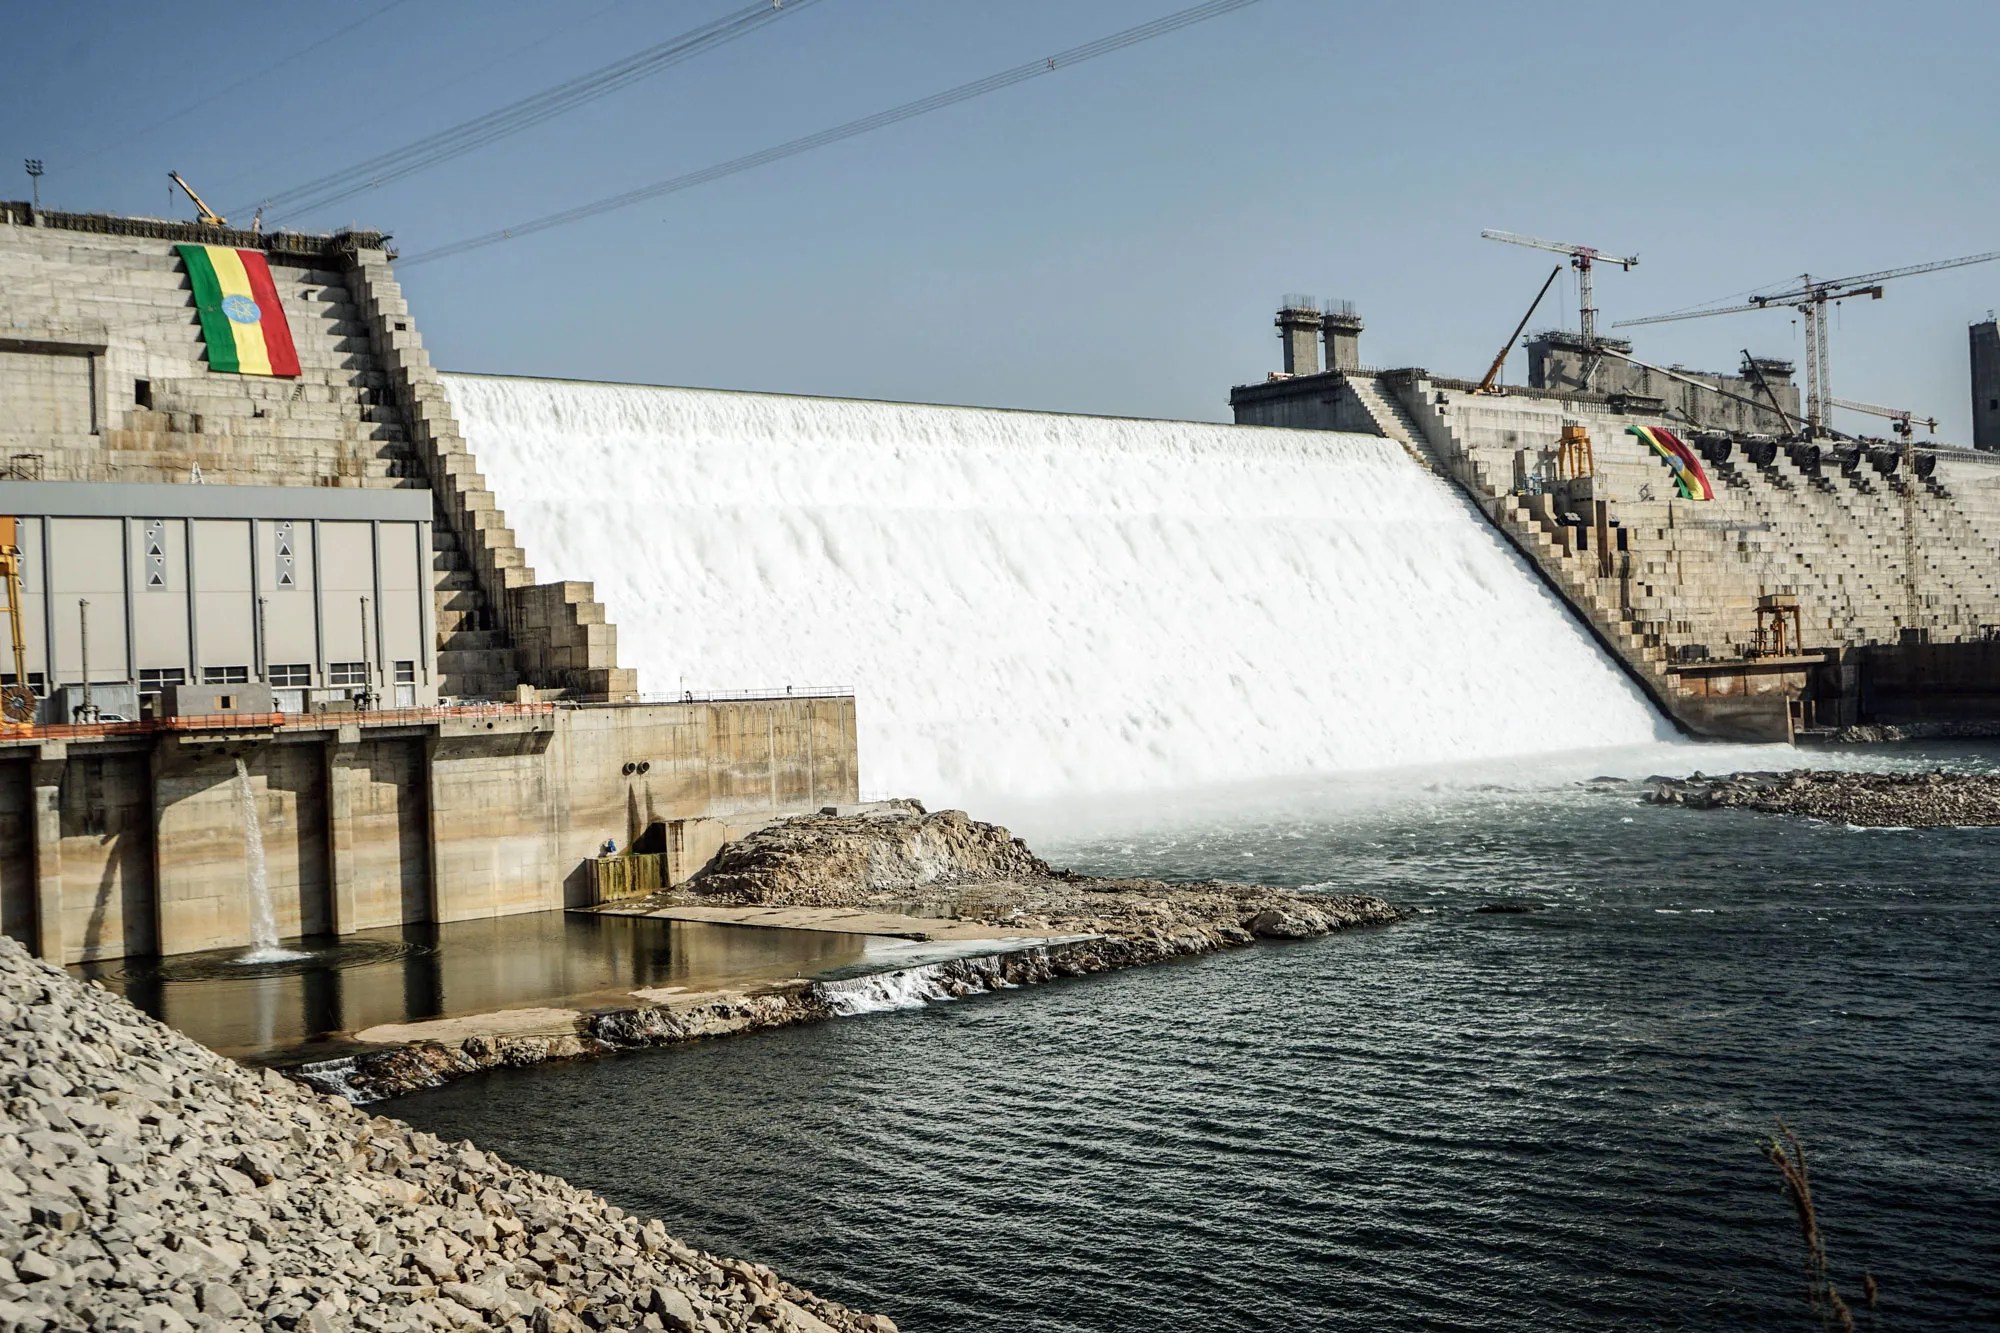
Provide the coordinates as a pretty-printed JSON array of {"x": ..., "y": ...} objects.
[
  {"x": 552, "y": 637},
  {"x": 1392, "y": 419}
]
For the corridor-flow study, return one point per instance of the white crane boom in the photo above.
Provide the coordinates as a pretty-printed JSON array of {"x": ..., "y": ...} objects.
[
  {"x": 1902, "y": 417},
  {"x": 1559, "y": 247}
]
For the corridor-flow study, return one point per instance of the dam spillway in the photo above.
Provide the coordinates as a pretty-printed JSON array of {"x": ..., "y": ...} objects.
[{"x": 1031, "y": 604}]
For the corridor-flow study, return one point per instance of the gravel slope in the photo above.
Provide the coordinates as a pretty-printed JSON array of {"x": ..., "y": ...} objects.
[{"x": 148, "y": 1183}]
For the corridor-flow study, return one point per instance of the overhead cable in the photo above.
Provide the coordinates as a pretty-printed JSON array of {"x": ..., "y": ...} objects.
[
  {"x": 515, "y": 117},
  {"x": 791, "y": 148},
  {"x": 262, "y": 71},
  {"x": 430, "y": 90}
]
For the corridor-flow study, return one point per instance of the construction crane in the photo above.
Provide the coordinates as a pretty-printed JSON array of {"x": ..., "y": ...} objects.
[
  {"x": 1493, "y": 371},
  {"x": 1581, "y": 258},
  {"x": 1810, "y": 298},
  {"x": 17, "y": 699},
  {"x": 209, "y": 217},
  {"x": 1902, "y": 421}
]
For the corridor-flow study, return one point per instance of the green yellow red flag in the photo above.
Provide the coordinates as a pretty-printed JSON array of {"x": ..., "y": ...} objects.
[
  {"x": 241, "y": 319},
  {"x": 1689, "y": 475}
]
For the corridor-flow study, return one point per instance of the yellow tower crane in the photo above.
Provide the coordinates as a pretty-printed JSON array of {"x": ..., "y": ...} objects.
[{"x": 17, "y": 700}]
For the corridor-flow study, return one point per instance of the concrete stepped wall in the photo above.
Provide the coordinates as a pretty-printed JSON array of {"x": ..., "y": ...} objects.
[
  {"x": 1872, "y": 560},
  {"x": 103, "y": 377}
]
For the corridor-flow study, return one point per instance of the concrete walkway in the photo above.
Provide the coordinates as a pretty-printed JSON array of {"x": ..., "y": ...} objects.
[{"x": 842, "y": 920}]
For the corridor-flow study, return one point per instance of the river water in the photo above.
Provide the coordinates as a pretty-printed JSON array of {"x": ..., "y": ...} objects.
[{"x": 1529, "y": 1119}]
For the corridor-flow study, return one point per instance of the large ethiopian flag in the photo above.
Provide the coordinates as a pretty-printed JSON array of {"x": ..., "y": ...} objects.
[{"x": 240, "y": 316}]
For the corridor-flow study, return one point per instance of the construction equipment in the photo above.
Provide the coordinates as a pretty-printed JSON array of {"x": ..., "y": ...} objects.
[
  {"x": 209, "y": 217},
  {"x": 1755, "y": 370},
  {"x": 1773, "y": 406},
  {"x": 1810, "y": 298},
  {"x": 1902, "y": 421},
  {"x": 17, "y": 699},
  {"x": 1581, "y": 257},
  {"x": 1493, "y": 371},
  {"x": 1573, "y": 456}
]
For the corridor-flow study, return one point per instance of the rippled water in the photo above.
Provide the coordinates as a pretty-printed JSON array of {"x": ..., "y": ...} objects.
[{"x": 1531, "y": 1120}]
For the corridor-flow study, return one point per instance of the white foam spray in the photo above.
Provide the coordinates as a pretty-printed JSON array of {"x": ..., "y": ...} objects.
[
  {"x": 910, "y": 988},
  {"x": 1032, "y": 605}
]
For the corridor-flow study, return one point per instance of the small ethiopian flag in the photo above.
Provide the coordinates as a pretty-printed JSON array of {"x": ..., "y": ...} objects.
[{"x": 240, "y": 316}]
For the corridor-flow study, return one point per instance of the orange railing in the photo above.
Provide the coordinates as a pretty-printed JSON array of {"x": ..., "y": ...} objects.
[{"x": 374, "y": 717}]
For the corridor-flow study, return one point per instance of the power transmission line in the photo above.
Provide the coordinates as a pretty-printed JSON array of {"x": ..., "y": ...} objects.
[
  {"x": 430, "y": 90},
  {"x": 965, "y": 92},
  {"x": 524, "y": 114},
  {"x": 155, "y": 122}
]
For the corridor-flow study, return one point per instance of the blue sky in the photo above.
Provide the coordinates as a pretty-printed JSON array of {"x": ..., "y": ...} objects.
[{"x": 1112, "y": 238}]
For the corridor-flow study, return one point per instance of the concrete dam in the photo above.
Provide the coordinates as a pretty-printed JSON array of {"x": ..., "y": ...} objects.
[
  {"x": 1029, "y": 604},
  {"x": 453, "y": 639}
]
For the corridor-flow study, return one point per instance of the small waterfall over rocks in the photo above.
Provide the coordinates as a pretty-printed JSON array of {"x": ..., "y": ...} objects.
[{"x": 1032, "y": 606}]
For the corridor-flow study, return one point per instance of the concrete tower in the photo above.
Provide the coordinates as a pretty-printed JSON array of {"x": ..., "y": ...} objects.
[
  {"x": 1986, "y": 385},
  {"x": 1298, "y": 329},
  {"x": 1343, "y": 336}
]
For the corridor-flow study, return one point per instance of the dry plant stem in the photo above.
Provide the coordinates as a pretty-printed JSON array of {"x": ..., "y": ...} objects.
[{"x": 1789, "y": 1156}]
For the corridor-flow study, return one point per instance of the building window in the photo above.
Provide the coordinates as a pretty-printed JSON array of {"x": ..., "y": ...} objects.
[
  {"x": 37, "y": 683},
  {"x": 347, "y": 673},
  {"x": 154, "y": 680},
  {"x": 292, "y": 674},
  {"x": 142, "y": 393},
  {"x": 225, "y": 675},
  {"x": 406, "y": 684},
  {"x": 406, "y": 673}
]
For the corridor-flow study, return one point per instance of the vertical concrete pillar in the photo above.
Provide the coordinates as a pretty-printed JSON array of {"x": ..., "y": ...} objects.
[
  {"x": 1298, "y": 329},
  {"x": 340, "y": 835},
  {"x": 46, "y": 775},
  {"x": 1342, "y": 327}
]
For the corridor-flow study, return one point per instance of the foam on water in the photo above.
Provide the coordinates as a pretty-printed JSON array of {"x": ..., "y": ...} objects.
[{"x": 1031, "y": 605}]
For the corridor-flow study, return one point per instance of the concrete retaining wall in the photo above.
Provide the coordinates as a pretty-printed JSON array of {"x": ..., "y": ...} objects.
[{"x": 135, "y": 844}]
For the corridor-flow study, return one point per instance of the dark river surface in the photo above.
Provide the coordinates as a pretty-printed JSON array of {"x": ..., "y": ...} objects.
[{"x": 1537, "y": 1119}]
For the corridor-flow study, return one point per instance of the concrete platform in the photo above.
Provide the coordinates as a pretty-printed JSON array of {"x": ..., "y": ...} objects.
[{"x": 843, "y": 920}]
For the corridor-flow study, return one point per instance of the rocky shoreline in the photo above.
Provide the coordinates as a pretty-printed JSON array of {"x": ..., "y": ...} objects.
[
  {"x": 1866, "y": 800},
  {"x": 894, "y": 857},
  {"x": 147, "y": 1183}
]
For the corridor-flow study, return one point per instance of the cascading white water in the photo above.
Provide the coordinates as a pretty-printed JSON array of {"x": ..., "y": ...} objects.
[
  {"x": 1032, "y": 605},
  {"x": 263, "y": 922}
]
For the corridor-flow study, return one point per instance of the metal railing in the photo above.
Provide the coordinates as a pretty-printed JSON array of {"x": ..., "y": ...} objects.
[
  {"x": 374, "y": 717},
  {"x": 749, "y": 696}
]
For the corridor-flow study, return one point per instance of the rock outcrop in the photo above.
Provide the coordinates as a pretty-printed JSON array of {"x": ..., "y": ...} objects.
[
  {"x": 147, "y": 1183},
  {"x": 828, "y": 860},
  {"x": 1869, "y": 800},
  {"x": 903, "y": 858}
]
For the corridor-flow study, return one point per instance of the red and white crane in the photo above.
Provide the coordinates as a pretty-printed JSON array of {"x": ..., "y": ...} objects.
[{"x": 1581, "y": 258}]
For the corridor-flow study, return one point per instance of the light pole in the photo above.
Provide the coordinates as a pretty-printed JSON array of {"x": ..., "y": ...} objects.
[
  {"x": 85, "y": 713},
  {"x": 34, "y": 166}
]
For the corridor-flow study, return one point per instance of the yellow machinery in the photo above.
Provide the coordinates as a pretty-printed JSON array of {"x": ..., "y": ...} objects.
[
  {"x": 17, "y": 701},
  {"x": 1573, "y": 457},
  {"x": 209, "y": 217}
]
